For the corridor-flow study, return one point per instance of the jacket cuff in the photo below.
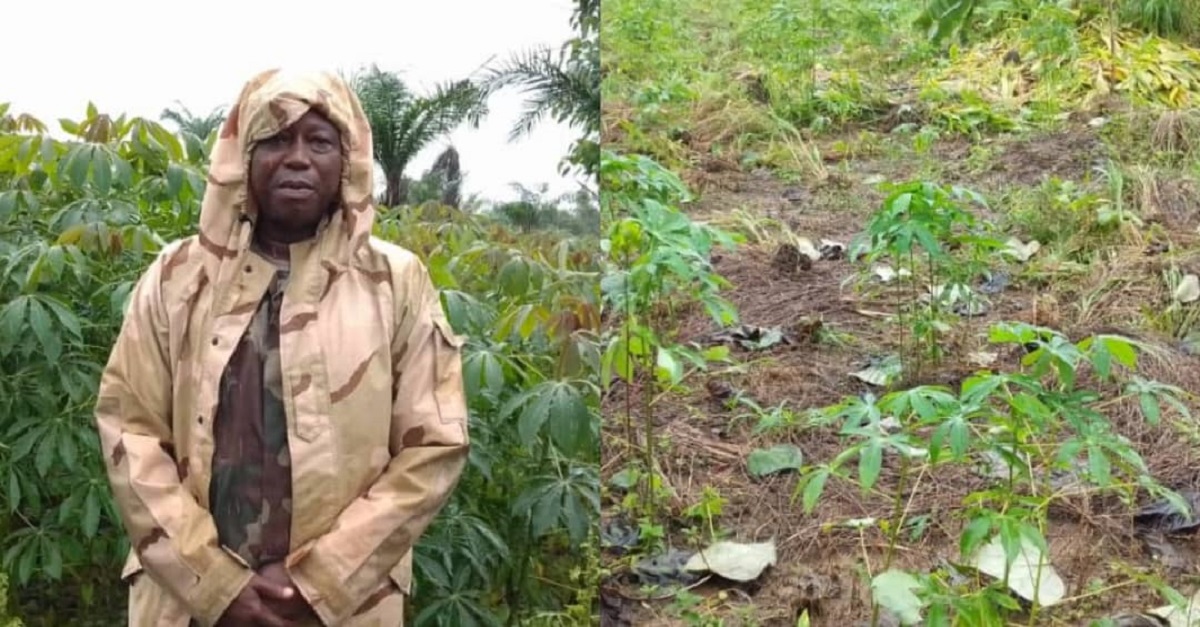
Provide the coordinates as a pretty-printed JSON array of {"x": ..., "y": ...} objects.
[
  {"x": 317, "y": 582},
  {"x": 217, "y": 589}
]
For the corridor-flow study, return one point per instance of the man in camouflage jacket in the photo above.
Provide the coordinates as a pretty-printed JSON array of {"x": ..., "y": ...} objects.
[{"x": 283, "y": 413}]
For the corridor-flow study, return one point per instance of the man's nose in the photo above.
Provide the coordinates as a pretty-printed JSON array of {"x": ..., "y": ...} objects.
[{"x": 297, "y": 155}]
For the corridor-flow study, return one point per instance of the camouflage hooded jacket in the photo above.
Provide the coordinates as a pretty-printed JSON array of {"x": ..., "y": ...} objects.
[{"x": 371, "y": 386}]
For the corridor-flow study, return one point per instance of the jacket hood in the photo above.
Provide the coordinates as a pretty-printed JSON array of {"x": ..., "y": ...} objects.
[{"x": 270, "y": 102}]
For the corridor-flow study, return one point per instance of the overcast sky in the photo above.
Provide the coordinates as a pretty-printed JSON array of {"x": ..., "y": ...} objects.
[{"x": 141, "y": 56}]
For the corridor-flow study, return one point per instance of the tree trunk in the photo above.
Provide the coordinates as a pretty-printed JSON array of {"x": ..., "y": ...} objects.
[
  {"x": 397, "y": 189},
  {"x": 449, "y": 176},
  {"x": 451, "y": 193}
]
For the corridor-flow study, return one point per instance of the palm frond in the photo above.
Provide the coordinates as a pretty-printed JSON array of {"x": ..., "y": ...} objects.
[
  {"x": 403, "y": 123},
  {"x": 561, "y": 86},
  {"x": 424, "y": 119},
  {"x": 188, "y": 122}
]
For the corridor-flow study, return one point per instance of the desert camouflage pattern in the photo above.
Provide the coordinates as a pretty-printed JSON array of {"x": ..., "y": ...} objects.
[
  {"x": 370, "y": 382},
  {"x": 250, "y": 494}
]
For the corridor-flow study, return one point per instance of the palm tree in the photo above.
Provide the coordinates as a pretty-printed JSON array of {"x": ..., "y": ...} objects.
[
  {"x": 441, "y": 183},
  {"x": 403, "y": 123},
  {"x": 449, "y": 177},
  {"x": 563, "y": 84},
  {"x": 201, "y": 127}
]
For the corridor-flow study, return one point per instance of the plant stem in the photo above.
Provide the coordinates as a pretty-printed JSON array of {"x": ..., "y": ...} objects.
[
  {"x": 630, "y": 319},
  {"x": 898, "y": 511},
  {"x": 648, "y": 427},
  {"x": 900, "y": 318},
  {"x": 912, "y": 267},
  {"x": 933, "y": 311}
]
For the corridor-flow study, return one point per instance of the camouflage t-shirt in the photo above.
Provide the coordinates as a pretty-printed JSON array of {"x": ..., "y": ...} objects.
[{"x": 251, "y": 490}]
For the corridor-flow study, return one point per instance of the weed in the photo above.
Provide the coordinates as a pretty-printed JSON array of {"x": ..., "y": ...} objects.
[
  {"x": 707, "y": 510},
  {"x": 1180, "y": 320},
  {"x": 1055, "y": 212},
  {"x": 1175, "y": 133}
]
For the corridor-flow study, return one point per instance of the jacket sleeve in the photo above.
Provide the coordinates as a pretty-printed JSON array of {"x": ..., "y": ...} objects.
[
  {"x": 174, "y": 538},
  {"x": 429, "y": 445}
]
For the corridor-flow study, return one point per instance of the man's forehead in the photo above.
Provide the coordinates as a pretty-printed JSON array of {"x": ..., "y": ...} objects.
[
  {"x": 316, "y": 116},
  {"x": 312, "y": 117}
]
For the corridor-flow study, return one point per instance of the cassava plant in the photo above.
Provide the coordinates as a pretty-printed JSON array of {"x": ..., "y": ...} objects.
[
  {"x": 926, "y": 235},
  {"x": 82, "y": 216},
  {"x": 657, "y": 262},
  {"x": 1030, "y": 423}
]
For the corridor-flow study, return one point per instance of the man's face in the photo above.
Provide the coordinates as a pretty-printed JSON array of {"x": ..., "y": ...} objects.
[{"x": 295, "y": 177}]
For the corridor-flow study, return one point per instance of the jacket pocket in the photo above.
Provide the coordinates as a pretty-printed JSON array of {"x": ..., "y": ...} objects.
[
  {"x": 309, "y": 401},
  {"x": 448, "y": 390}
]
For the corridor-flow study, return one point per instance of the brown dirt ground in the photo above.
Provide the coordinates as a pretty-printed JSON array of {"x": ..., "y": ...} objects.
[{"x": 819, "y": 566}]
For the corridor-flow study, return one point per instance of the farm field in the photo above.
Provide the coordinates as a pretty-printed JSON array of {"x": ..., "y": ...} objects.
[
  {"x": 86, "y": 203},
  {"x": 525, "y": 296},
  {"x": 892, "y": 295}
]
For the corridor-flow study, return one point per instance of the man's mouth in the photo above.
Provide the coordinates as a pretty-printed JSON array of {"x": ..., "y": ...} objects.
[
  {"x": 296, "y": 184},
  {"x": 295, "y": 190}
]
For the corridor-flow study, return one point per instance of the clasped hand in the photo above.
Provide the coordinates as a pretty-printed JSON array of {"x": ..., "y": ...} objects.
[{"x": 269, "y": 600}]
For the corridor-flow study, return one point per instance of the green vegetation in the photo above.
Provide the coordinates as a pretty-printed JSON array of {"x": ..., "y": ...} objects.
[
  {"x": 81, "y": 216},
  {"x": 901, "y": 310}
]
